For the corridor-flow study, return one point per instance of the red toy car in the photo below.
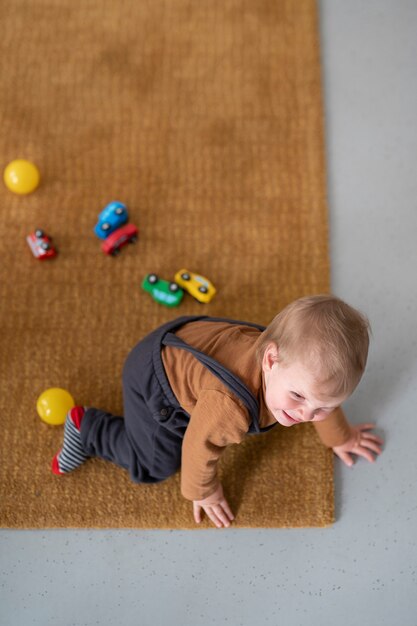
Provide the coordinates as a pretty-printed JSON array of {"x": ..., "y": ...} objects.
[
  {"x": 41, "y": 245},
  {"x": 123, "y": 235}
]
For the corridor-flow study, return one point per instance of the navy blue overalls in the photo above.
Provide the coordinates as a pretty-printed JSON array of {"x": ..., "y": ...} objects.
[{"x": 147, "y": 441}]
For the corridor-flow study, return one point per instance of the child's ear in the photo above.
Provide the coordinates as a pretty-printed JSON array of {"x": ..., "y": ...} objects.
[{"x": 270, "y": 357}]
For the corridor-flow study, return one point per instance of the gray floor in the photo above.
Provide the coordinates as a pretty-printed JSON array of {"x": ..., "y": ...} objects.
[{"x": 364, "y": 569}]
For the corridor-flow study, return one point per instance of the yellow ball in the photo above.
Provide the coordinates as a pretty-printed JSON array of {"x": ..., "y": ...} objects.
[
  {"x": 53, "y": 405},
  {"x": 21, "y": 176}
]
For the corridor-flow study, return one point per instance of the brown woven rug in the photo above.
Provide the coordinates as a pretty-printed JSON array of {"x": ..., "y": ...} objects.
[{"x": 205, "y": 118}]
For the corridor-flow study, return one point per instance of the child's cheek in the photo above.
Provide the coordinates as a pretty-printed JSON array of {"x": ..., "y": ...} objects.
[
  {"x": 274, "y": 400},
  {"x": 291, "y": 403}
]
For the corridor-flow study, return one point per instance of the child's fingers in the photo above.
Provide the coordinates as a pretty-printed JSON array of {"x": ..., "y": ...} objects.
[
  {"x": 366, "y": 426},
  {"x": 372, "y": 437},
  {"x": 217, "y": 515},
  {"x": 221, "y": 515},
  {"x": 371, "y": 445},
  {"x": 366, "y": 454},
  {"x": 345, "y": 457},
  {"x": 197, "y": 513},
  {"x": 212, "y": 516},
  {"x": 227, "y": 510}
]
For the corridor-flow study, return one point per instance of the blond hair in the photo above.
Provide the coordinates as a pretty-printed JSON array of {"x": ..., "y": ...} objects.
[{"x": 326, "y": 335}]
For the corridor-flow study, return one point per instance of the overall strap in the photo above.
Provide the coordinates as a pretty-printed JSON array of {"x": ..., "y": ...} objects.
[
  {"x": 227, "y": 377},
  {"x": 239, "y": 322}
]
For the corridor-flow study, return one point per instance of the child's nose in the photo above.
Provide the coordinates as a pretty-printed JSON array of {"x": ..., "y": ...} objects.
[{"x": 306, "y": 415}]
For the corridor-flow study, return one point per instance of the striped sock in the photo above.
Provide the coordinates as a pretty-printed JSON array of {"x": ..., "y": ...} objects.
[{"x": 72, "y": 452}]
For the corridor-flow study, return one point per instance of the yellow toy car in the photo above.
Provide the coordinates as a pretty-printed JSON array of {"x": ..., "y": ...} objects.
[{"x": 197, "y": 286}]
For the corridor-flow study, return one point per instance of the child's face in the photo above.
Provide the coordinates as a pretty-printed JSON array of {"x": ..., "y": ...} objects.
[{"x": 291, "y": 392}]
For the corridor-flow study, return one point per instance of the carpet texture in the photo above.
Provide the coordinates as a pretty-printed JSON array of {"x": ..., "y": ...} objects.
[{"x": 205, "y": 118}]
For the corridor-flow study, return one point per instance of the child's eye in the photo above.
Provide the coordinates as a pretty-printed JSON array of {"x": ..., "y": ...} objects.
[{"x": 296, "y": 395}]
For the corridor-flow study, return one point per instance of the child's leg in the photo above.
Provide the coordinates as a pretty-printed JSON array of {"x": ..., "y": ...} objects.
[
  {"x": 148, "y": 440},
  {"x": 104, "y": 435},
  {"x": 137, "y": 443},
  {"x": 91, "y": 432}
]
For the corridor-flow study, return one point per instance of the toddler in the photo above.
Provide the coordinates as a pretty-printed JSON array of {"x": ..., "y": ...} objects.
[{"x": 198, "y": 384}]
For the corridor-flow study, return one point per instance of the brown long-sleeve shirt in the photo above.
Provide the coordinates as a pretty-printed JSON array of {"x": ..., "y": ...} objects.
[{"x": 218, "y": 418}]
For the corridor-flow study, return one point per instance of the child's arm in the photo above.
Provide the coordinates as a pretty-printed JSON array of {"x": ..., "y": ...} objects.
[
  {"x": 216, "y": 422},
  {"x": 215, "y": 507}
]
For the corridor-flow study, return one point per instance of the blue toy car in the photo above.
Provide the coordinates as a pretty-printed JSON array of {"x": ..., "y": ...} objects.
[{"x": 110, "y": 219}]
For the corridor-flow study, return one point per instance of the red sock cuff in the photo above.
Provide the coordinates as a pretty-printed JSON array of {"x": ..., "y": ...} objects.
[
  {"x": 55, "y": 466},
  {"x": 76, "y": 415}
]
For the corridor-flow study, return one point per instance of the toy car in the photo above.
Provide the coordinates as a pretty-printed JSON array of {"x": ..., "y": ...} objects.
[
  {"x": 119, "y": 238},
  {"x": 41, "y": 245},
  {"x": 110, "y": 219},
  {"x": 164, "y": 292},
  {"x": 199, "y": 287}
]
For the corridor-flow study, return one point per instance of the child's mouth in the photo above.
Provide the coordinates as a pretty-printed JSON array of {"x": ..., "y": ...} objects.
[{"x": 294, "y": 421}]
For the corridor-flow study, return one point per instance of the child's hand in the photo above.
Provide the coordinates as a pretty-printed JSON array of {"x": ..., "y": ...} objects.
[
  {"x": 361, "y": 443},
  {"x": 215, "y": 507}
]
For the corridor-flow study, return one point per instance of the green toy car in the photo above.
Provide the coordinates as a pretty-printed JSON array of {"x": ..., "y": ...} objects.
[{"x": 163, "y": 291}]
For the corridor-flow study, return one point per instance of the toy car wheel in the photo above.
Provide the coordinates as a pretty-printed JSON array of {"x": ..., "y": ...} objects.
[
  {"x": 45, "y": 245},
  {"x": 115, "y": 252},
  {"x": 119, "y": 211},
  {"x": 39, "y": 233},
  {"x": 203, "y": 289},
  {"x": 185, "y": 276},
  {"x": 152, "y": 279},
  {"x": 105, "y": 226},
  {"x": 173, "y": 287},
  {"x": 133, "y": 239}
]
